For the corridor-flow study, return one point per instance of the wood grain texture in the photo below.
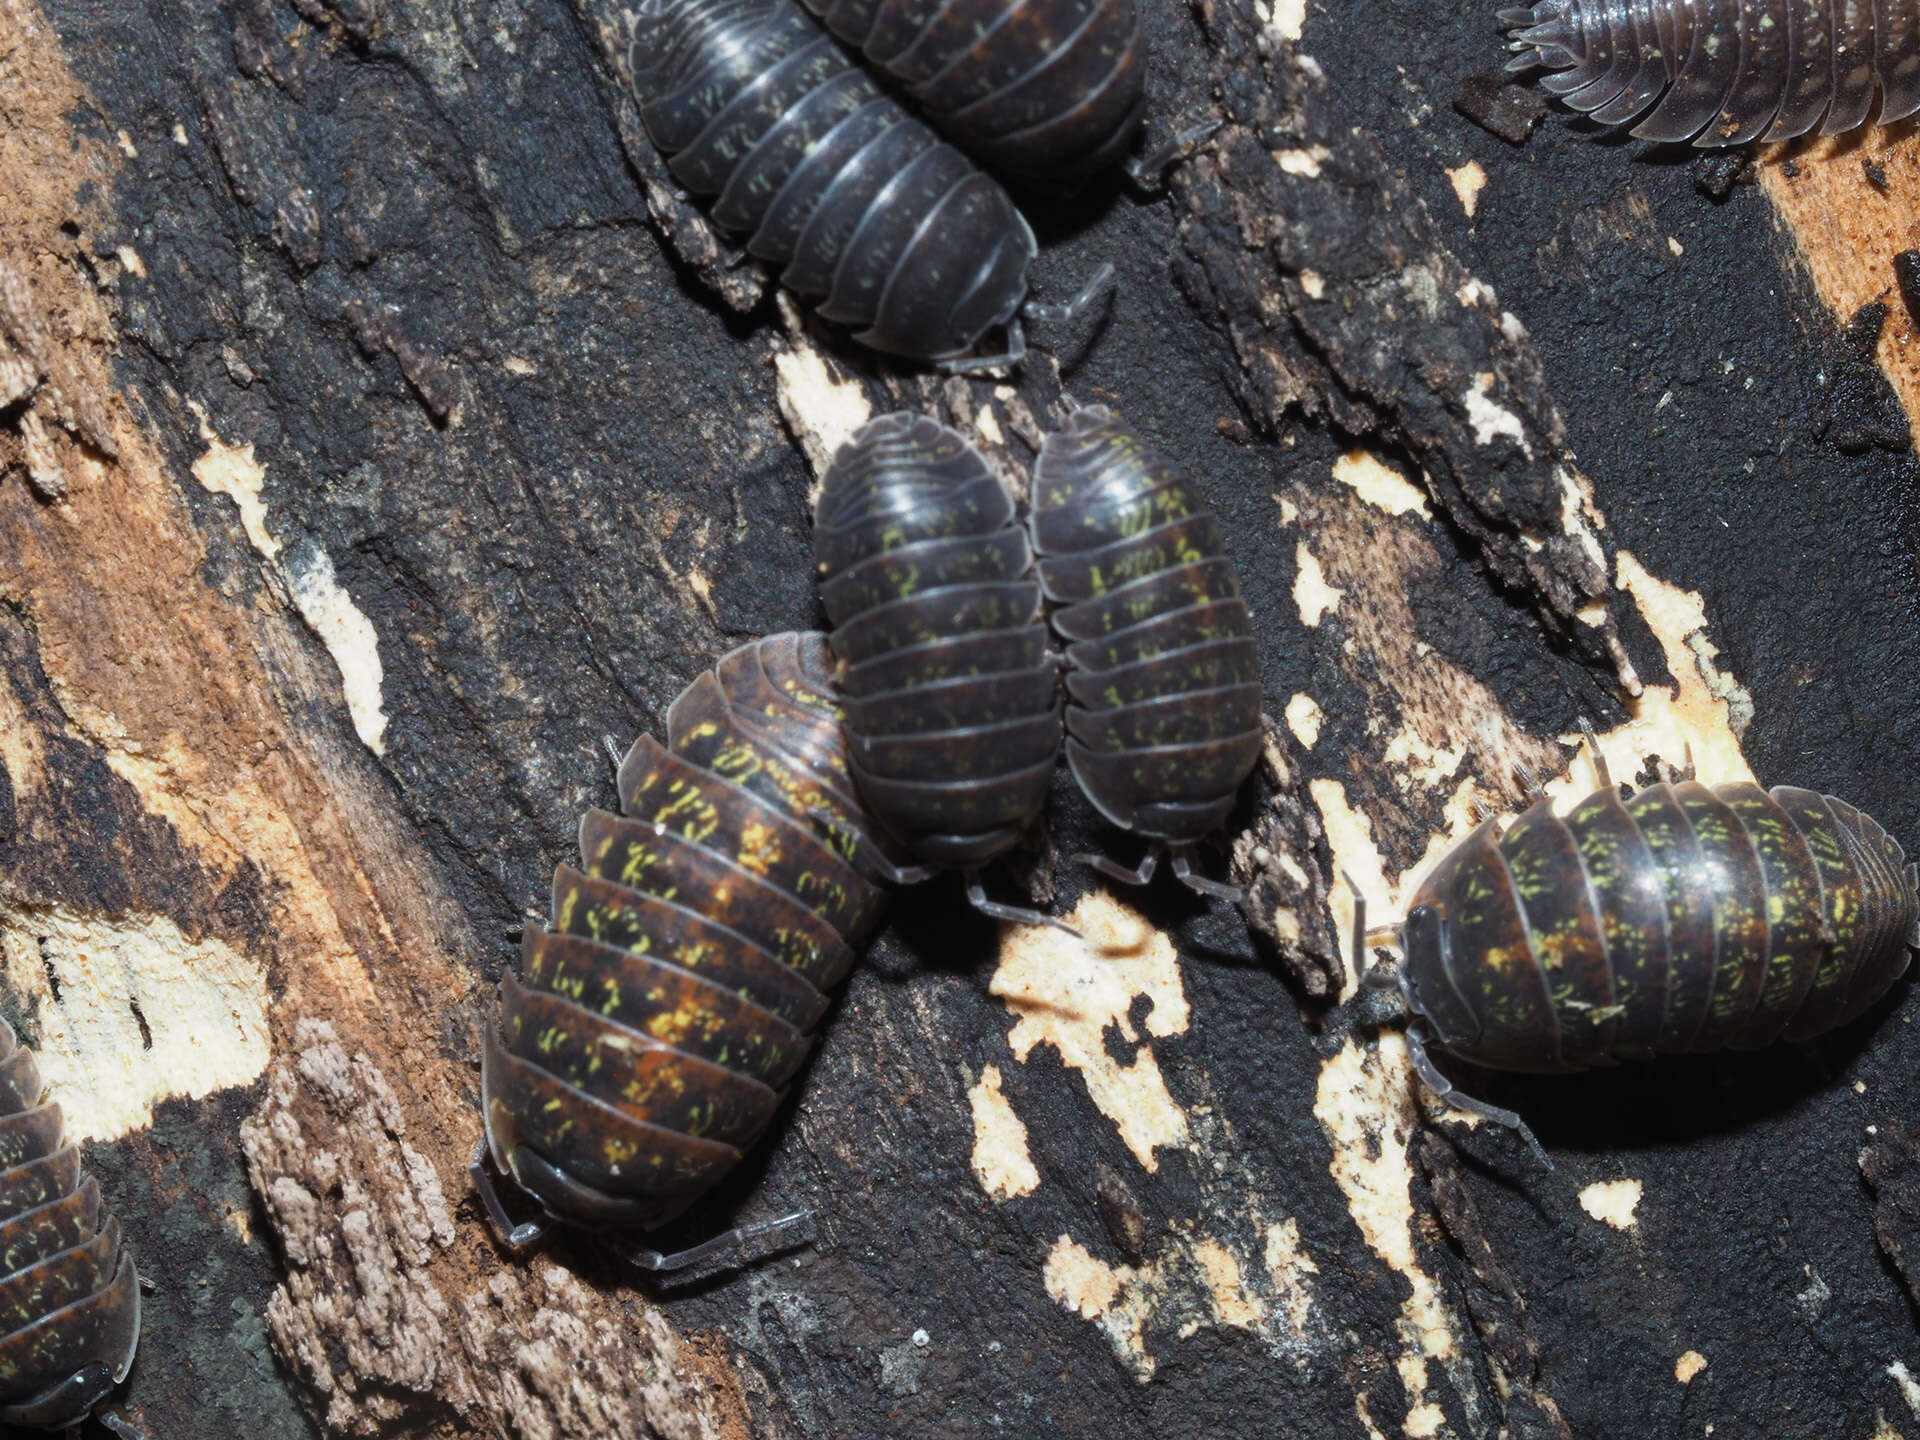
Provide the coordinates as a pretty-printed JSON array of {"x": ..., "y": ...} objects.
[{"x": 384, "y": 429}]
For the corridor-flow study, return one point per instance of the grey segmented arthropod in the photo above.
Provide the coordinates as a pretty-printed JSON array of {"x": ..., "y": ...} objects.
[
  {"x": 1723, "y": 72},
  {"x": 871, "y": 217}
]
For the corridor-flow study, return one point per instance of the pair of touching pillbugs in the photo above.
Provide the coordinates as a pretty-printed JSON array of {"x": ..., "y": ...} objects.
[
  {"x": 953, "y": 711},
  {"x": 69, "y": 1294},
  {"x": 1724, "y": 72},
  {"x": 873, "y": 218},
  {"x": 1685, "y": 918},
  {"x": 691, "y": 955}
]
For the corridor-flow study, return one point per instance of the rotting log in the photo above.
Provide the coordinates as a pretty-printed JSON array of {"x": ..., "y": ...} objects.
[{"x": 379, "y": 428}]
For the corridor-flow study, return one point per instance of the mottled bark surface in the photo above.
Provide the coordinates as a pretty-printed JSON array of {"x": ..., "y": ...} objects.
[{"x": 379, "y": 429}]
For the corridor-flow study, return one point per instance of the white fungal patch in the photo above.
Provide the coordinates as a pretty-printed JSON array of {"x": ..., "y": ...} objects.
[
  {"x": 1365, "y": 1101},
  {"x": 130, "y": 1012},
  {"x": 1304, "y": 718},
  {"x": 1688, "y": 1366},
  {"x": 822, "y": 409},
  {"x": 1909, "y": 1387},
  {"x": 349, "y": 637},
  {"x": 1612, "y": 1202},
  {"x": 1302, "y": 162},
  {"x": 1065, "y": 993},
  {"x": 1380, "y": 485},
  {"x": 232, "y": 471},
  {"x": 1311, "y": 592},
  {"x": 1468, "y": 181},
  {"x": 1287, "y": 20},
  {"x": 1001, "y": 1161},
  {"x": 1491, "y": 420}
]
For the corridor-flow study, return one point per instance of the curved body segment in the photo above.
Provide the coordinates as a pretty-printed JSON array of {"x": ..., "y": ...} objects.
[
  {"x": 1687, "y": 918},
  {"x": 953, "y": 723},
  {"x": 1043, "y": 89},
  {"x": 69, "y": 1294},
  {"x": 1724, "y": 72},
  {"x": 656, "y": 1022},
  {"x": 871, "y": 217}
]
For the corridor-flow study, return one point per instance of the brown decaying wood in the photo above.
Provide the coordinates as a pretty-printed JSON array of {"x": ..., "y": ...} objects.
[{"x": 359, "y": 1147}]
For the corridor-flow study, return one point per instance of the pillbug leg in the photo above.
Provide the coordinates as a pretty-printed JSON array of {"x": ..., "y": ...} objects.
[
  {"x": 1007, "y": 359},
  {"x": 1445, "y": 1091},
  {"x": 1599, "y": 761},
  {"x": 1149, "y": 172},
  {"x": 613, "y": 751},
  {"x": 1012, "y": 914},
  {"x": 1141, "y": 874},
  {"x": 1200, "y": 885},
  {"x": 742, "y": 1245},
  {"x": 117, "y": 1425},
  {"x": 1530, "y": 788},
  {"x": 1100, "y": 284},
  {"x": 517, "y": 1238},
  {"x": 863, "y": 854},
  {"x": 1686, "y": 770}
]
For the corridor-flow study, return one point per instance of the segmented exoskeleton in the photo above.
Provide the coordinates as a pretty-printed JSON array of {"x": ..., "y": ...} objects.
[
  {"x": 691, "y": 954},
  {"x": 69, "y": 1295},
  {"x": 1035, "y": 88},
  {"x": 885, "y": 227},
  {"x": 1163, "y": 719},
  {"x": 1687, "y": 918},
  {"x": 1724, "y": 71},
  {"x": 950, "y": 694}
]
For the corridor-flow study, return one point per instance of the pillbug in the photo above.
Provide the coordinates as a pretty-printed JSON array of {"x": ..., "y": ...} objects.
[
  {"x": 950, "y": 694},
  {"x": 657, "y": 1020},
  {"x": 69, "y": 1294},
  {"x": 1032, "y": 88},
  {"x": 1684, "y": 919},
  {"x": 1724, "y": 72},
  {"x": 1163, "y": 689},
  {"x": 875, "y": 220}
]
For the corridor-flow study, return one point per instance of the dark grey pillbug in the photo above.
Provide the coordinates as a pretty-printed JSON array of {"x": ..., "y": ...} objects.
[
  {"x": 655, "y": 1024},
  {"x": 1723, "y": 72},
  {"x": 1686, "y": 918},
  {"x": 1163, "y": 713},
  {"x": 874, "y": 219},
  {"x": 1032, "y": 88},
  {"x": 69, "y": 1294},
  {"x": 950, "y": 694}
]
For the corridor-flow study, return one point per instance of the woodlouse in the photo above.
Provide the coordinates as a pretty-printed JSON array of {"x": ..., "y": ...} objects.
[
  {"x": 69, "y": 1294},
  {"x": 1163, "y": 714},
  {"x": 875, "y": 219},
  {"x": 950, "y": 694},
  {"x": 1724, "y": 71},
  {"x": 690, "y": 956},
  {"x": 1033, "y": 88},
  {"x": 1686, "y": 918}
]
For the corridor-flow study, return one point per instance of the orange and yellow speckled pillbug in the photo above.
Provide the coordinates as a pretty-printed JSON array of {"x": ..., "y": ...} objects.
[
  {"x": 1163, "y": 713},
  {"x": 1723, "y": 72},
  {"x": 1684, "y": 918},
  {"x": 648, "y": 1040},
  {"x": 69, "y": 1295}
]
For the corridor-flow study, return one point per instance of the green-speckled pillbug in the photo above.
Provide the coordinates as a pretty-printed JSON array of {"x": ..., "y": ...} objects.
[
  {"x": 951, "y": 697},
  {"x": 69, "y": 1295},
  {"x": 1163, "y": 714},
  {"x": 1685, "y": 918},
  {"x": 659, "y": 1017}
]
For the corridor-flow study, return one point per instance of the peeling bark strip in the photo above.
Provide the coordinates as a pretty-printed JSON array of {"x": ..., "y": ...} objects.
[
  {"x": 362, "y": 1217},
  {"x": 1343, "y": 301}
]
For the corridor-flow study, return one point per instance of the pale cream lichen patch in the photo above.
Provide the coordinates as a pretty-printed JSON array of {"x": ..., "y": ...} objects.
[
  {"x": 1490, "y": 419},
  {"x": 1688, "y": 1366},
  {"x": 1311, "y": 592},
  {"x": 131, "y": 1012},
  {"x": 232, "y": 471},
  {"x": 350, "y": 639},
  {"x": 1365, "y": 1102},
  {"x": 1612, "y": 1202},
  {"x": 1001, "y": 1162},
  {"x": 1066, "y": 994},
  {"x": 1468, "y": 181},
  {"x": 821, "y": 408},
  {"x": 1288, "y": 1267},
  {"x": 1380, "y": 485},
  {"x": 1304, "y": 717},
  {"x": 1909, "y": 1387}
]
